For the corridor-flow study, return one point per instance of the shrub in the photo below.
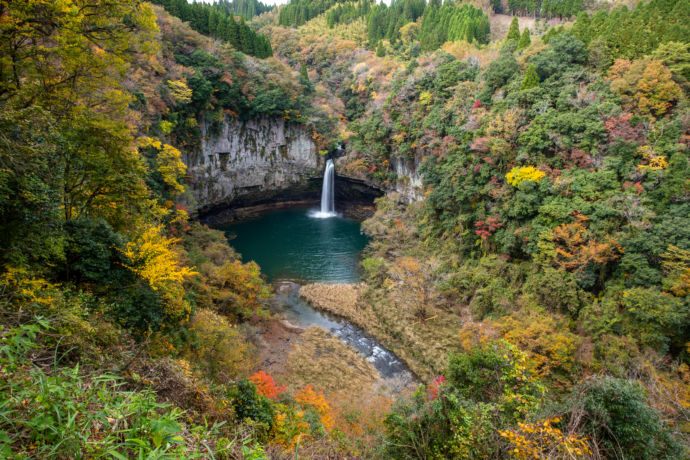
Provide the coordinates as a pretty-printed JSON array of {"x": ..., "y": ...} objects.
[
  {"x": 67, "y": 414},
  {"x": 249, "y": 404},
  {"x": 615, "y": 414}
]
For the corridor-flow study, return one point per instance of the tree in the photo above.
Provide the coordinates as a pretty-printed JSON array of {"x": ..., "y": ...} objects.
[
  {"x": 525, "y": 40},
  {"x": 380, "y": 50},
  {"x": 615, "y": 414},
  {"x": 303, "y": 74},
  {"x": 513, "y": 30},
  {"x": 65, "y": 80},
  {"x": 656, "y": 90},
  {"x": 645, "y": 84},
  {"x": 531, "y": 79}
]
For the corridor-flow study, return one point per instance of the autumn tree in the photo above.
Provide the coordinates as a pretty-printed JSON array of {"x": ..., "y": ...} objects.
[
  {"x": 62, "y": 62},
  {"x": 265, "y": 385},
  {"x": 576, "y": 250},
  {"x": 645, "y": 84}
]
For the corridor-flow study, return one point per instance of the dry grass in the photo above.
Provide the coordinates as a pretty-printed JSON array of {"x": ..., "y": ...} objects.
[
  {"x": 339, "y": 299},
  {"x": 423, "y": 346},
  {"x": 325, "y": 362}
]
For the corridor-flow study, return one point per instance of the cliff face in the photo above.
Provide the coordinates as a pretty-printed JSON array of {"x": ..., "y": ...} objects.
[
  {"x": 409, "y": 182},
  {"x": 407, "y": 187},
  {"x": 248, "y": 162}
]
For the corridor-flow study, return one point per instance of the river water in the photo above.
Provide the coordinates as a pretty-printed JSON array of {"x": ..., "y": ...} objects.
[{"x": 294, "y": 247}]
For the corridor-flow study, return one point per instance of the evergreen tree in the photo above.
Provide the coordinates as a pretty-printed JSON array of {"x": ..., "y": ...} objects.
[
  {"x": 380, "y": 50},
  {"x": 514, "y": 30},
  {"x": 233, "y": 32},
  {"x": 525, "y": 39},
  {"x": 531, "y": 79},
  {"x": 218, "y": 21},
  {"x": 245, "y": 42},
  {"x": 304, "y": 75}
]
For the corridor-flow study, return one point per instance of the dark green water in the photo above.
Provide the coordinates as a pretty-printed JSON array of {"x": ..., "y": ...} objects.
[{"x": 288, "y": 244}]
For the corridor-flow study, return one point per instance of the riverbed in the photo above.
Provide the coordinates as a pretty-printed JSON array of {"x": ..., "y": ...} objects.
[{"x": 295, "y": 247}]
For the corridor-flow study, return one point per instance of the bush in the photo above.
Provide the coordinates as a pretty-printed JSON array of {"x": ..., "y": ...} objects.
[
  {"x": 615, "y": 414},
  {"x": 448, "y": 426},
  {"x": 93, "y": 253},
  {"x": 249, "y": 404},
  {"x": 557, "y": 290},
  {"x": 67, "y": 414}
]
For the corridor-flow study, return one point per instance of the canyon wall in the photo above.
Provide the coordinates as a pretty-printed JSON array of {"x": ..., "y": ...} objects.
[
  {"x": 242, "y": 163},
  {"x": 409, "y": 182}
]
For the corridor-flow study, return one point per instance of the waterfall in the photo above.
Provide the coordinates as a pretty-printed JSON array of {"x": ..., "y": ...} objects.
[{"x": 327, "y": 193}]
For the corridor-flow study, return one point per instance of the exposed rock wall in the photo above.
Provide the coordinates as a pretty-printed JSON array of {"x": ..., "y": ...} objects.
[
  {"x": 407, "y": 188},
  {"x": 248, "y": 162},
  {"x": 409, "y": 182}
]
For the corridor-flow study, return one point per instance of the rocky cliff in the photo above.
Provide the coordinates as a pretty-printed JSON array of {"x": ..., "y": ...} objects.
[
  {"x": 409, "y": 182},
  {"x": 248, "y": 162},
  {"x": 407, "y": 187}
]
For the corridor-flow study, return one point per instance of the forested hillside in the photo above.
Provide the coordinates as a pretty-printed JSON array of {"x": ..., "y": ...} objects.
[
  {"x": 218, "y": 21},
  {"x": 529, "y": 262}
]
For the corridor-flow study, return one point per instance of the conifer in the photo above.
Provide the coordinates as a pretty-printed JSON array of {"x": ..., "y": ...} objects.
[
  {"x": 531, "y": 79},
  {"x": 514, "y": 30},
  {"x": 525, "y": 39}
]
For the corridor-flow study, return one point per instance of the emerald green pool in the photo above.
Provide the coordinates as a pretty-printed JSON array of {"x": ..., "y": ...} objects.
[{"x": 293, "y": 244}]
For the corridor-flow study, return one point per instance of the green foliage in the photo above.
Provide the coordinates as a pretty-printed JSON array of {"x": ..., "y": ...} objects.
[
  {"x": 67, "y": 413},
  {"x": 218, "y": 20},
  {"x": 249, "y": 404},
  {"x": 557, "y": 290},
  {"x": 547, "y": 8},
  {"x": 614, "y": 412},
  {"x": 297, "y": 12},
  {"x": 93, "y": 253},
  {"x": 496, "y": 373},
  {"x": 513, "y": 30},
  {"x": 452, "y": 22},
  {"x": 445, "y": 427},
  {"x": 525, "y": 39},
  {"x": 656, "y": 318},
  {"x": 637, "y": 32},
  {"x": 486, "y": 390}
]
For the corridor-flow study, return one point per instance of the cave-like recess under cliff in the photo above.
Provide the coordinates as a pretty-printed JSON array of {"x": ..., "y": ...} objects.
[{"x": 259, "y": 164}]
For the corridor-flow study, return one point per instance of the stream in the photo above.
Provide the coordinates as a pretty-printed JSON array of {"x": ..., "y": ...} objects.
[{"x": 295, "y": 246}]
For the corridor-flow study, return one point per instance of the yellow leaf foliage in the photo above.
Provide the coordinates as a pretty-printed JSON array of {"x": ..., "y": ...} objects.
[
  {"x": 221, "y": 350},
  {"x": 425, "y": 98},
  {"x": 153, "y": 257},
  {"x": 540, "y": 440},
  {"x": 180, "y": 91},
  {"x": 654, "y": 162},
  {"x": 289, "y": 427},
  {"x": 170, "y": 164},
  {"x": 520, "y": 174}
]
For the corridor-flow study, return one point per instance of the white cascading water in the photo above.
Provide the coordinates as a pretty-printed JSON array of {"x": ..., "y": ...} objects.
[{"x": 327, "y": 194}]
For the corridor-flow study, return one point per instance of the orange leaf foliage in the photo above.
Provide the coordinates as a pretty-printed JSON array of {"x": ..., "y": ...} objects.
[
  {"x": 266, "y": 386},
  {"x": 575, "y": 249},
  {"x": 318, "y": 402}
]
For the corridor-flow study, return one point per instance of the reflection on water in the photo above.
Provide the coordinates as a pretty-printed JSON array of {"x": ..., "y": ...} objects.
[
  {"x": 295, "y": 245},
  {"x": 289, "y": 244}
]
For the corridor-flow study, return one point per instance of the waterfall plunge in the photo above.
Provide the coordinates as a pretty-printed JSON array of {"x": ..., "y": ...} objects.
[{"x": 327, "y": 193}]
